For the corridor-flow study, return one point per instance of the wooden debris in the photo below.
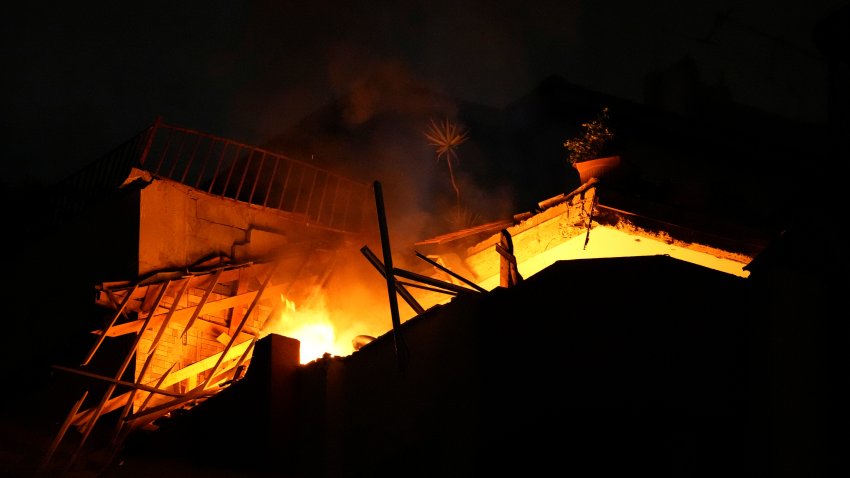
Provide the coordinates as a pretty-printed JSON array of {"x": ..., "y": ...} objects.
[{"x": 509, "y": 275}]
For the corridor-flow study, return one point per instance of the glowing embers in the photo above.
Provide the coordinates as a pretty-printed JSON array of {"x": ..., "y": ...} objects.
[{"x": 311, "y": 325}]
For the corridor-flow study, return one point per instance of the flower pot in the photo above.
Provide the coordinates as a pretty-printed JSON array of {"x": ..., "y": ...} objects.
[{"x": 597, "y": 167}]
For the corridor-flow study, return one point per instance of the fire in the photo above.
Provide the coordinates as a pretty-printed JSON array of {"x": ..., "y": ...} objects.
[{"x": 311, "y": 325}]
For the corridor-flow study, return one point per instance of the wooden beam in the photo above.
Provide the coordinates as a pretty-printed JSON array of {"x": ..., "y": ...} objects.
[
  {"x": 509, "y": 275},
  {"x": 123, "y": 428},
  {"x": 182, "y": 316},
  {"x": 450, "y": 272},
  {"x": 61, "y": 434},
  {"x": 402, "y": 291},
  {"x": 248, "y": 312},
  {"x": 425, "y": 287},
  {"x": 554, "y": 201},
  {"x": 159, "y": 383},
  {"x": 148, "y": 415},
  {"x": 116, "y": 381},
  {"x": 432, "y": 281},
  {"x": 118, "y": 312},
  {"x": 110, "y": 390},
  {"x": 398, "y": 340},
  {"x": 245, "y": 354},
  {"x": 112, "y": 404},
  {"x": 228, "y": 273},
  {"x": 235, "y": 314},
  {"x": 162, "y": 328},
  {"x": 199, "y": 306},
  {"x": 175, "y": 302},
  {"x": 205, "y": 364}
]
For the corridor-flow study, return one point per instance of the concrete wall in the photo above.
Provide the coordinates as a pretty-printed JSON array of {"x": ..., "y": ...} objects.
[{"x": 180, "y": 226}]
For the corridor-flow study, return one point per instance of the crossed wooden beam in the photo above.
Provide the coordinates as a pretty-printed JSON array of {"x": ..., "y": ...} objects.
[{"x": 151, "y": 398}]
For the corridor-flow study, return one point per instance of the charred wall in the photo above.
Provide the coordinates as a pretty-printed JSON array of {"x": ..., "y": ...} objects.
[{"x": 604, "y": 366}]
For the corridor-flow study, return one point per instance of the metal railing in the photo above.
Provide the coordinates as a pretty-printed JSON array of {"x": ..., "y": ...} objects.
[{"x": 227, "y": 169}]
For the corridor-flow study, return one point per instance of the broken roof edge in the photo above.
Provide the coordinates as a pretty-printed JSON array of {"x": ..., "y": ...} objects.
[
  {"x": 489, "y": 232},
  {"x": 464, "y": 237},
  {"x": 474, "y": 240},
  {"x": 737, "y": 249}
]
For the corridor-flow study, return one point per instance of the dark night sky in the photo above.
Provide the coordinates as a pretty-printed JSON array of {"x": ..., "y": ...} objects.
[{"x": 81, "y": 78}]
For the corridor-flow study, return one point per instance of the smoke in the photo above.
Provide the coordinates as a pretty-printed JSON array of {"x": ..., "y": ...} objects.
[
  {"x": 375, "y": 131},
  {"x": 369, "y": 87}
]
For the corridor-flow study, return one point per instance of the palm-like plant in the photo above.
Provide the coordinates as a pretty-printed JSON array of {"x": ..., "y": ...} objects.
[{"x": 446, "y": 136}]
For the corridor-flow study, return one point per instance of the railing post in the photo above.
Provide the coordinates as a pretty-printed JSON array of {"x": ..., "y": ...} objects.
[{"x": 152, "y": 132}]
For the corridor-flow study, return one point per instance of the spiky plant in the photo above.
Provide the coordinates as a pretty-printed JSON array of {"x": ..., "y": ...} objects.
[{"x": 446, "y": 136}]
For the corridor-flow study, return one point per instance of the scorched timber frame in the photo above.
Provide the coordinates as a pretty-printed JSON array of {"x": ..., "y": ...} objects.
[{"x": 194, "y": 333}]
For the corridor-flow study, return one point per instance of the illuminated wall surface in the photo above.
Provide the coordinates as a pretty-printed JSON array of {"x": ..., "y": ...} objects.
[
  {"x": 560, "y": 233},
  {"x": 610, "y": 242}
]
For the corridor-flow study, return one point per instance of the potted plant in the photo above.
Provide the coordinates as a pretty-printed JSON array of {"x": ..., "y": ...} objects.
[{"x": 585, "y": 148}]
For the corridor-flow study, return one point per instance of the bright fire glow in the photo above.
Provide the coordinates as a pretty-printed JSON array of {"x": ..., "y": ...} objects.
[
  {"x": 311, "y": 326},
  {"x": 608, "y": 242},
  {"x": 535, "y": 252}
]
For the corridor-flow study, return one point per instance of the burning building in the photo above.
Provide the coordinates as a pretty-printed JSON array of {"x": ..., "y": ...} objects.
[
  {"x": 228, "y": 251},
  {"x": 522, "y": 379},
  {"x": 208, "y": 239},
  {"x": 576, "y": 335}
]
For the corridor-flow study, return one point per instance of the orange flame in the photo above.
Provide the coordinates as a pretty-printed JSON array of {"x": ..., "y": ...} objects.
[{"x": 311, "y": 326}]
